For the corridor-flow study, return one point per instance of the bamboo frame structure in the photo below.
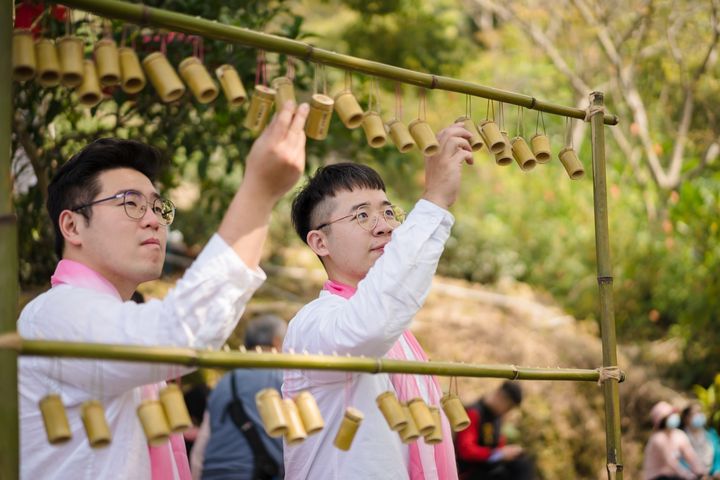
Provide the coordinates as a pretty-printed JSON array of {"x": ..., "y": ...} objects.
[{"x": 11, "y": 345}]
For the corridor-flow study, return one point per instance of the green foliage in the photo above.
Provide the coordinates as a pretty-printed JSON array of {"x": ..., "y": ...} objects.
[{"x": 709, "y": 398}]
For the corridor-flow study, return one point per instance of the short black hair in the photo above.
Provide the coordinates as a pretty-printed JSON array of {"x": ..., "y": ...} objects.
[
  {"x": 512, "y": 391},
  {"x": 327, "y": 182},
  {"x": 262, "y": 330},
  {"x": 76, "y": 182}
]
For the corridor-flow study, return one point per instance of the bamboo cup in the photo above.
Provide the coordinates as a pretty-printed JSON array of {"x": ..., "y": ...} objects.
[
  {"x": 540, "y": 144},
  {"x": 522, "y": 154},
  {"x": 89, "y": 92},
  {"x": 131, "y": 73},
  {"x": 410, "y": 432},
  {"x": 400, "y": 136},
  {"x": 476, "y": 140},
  {"x": 108, "y": 62},
  {"x": 391, "y": 409},
  {"x": 284, "y": 92},
  {"x": 259, "y": 111},
  {"x": 56, "y": 423},
  {"x": 198, "y": 79},
  {"x": 48, "y": 65},
  {"x": 96, "y": 427},
  {"x": 435, "y": 435},
  {"x": 154, "y": 423},
  {"x": 24, "y": 62},
  {"x": 163, "y": 77},
  {"x": 348, "y": 109},
  {"x": 176, "y": 411},
  {"x": 455, "y": 412},
  {"x": 70, "y": 55},
  {"x": 572, "y": 164},
  {"x": 309, "y": 412},
  {"x": 231, "y": 85},
  {"x": 272, "y": 413},
  {"x": 505, "y": 156},
  {"x": 374, "y": 129},
  {"x": 296, "y": 430},
  {"x": 421, "y": 416},
  {"x": 424, "y": 137},
  {"x": 348, "y": 427},
  {"x": 318, "y": 121},
  {"x": 493, "y": 137}
]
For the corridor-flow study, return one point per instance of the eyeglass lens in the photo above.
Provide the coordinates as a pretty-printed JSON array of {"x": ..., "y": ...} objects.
[
  {"x": 136, "y": 205},
  {"x": 368, "y": 221}
]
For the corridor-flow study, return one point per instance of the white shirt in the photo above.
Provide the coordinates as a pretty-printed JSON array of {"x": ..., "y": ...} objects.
[
  {"x": 367, "y": 324},
  {"x": 200, "y": 312}
]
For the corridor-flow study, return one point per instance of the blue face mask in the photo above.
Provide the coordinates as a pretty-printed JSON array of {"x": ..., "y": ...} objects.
[
  {"x": 673, "y": 421},
  {"x": 698, "y": 420}
]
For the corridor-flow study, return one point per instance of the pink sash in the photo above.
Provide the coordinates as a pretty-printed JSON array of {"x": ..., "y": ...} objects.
[
  {"x": 167, "y": 462},
  {"x": 426, "y": 461}
]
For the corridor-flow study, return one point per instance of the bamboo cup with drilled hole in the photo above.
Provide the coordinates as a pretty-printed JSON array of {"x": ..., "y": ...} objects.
[
  {"x": 198, "y": 79},
  {"x": 48, "y": 64},
  {"x": 522, "y": 154},
  {"x": 163, "y": 77},
  {"x": 410, "y": 432},
  {"x": 56, "y": 423},
  {"x": 24, "y": 61},
  {"x": 571, "y": 162},
  {"x": 348, "y": 109},
  {"x": 504, "y": 157},
  {"x": 435, "y": 435},
  {"x": 348, "y": 427},
  {"x": 400, "y": 136},
  {"x": 540, "y": 145},
  {"x": 392, "y": 410},
  {"x": 424, "y": 136},
  {"x": 493, "y": 137},
  {"x": 154, "y": 423},
  {"x": 96, "y": 426},
  {"x": 108, "y": 62},
  {"x": 88, "y": 92},
  {"x": 295, "y": 429},
  {"x": 272, "y": 412},
  {"x": 176, "y": 412},
  {"x": 259, "y": 111},
  {"x": 476, "y": 140},
  {"x": 318, "y": 121},
  {"x": 70, "y": 55},
  {"x": 284, "y": 92},
  {"x": 455, "y": 412},
  {"x": 421, "y": 416},
  {"x": 132, "y": 77},
  {"x": 374, "y": 129},
  {"x": 309, "y": 412},
  {"x": 231, "y": 85}
]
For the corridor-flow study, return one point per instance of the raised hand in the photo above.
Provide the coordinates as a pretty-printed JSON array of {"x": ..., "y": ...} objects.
[{"x": 443, "y": 170}]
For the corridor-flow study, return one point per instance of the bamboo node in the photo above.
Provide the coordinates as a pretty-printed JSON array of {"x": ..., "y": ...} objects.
[
  {"x": 433, "y": 82},
  {"x": 11, "y": 341},
  {"x": 516, "y": 372},
  {"x": 533, "y": 101},
  {"x": 593, "y": 110},
  {"x": 609, "y": 373}
]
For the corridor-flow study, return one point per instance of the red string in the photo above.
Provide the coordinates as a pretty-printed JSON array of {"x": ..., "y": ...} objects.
[
  {"x": 290, "y": 68},
  {"x": 260, "y": 71}
]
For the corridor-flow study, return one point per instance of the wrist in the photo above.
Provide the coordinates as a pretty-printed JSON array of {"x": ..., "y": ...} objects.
[{"x": 439, "y": 200}]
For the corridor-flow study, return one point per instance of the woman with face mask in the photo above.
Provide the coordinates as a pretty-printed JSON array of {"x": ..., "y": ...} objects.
[
  {"x": 668, "y": 453},
  {"x": 704, "y": 440}
]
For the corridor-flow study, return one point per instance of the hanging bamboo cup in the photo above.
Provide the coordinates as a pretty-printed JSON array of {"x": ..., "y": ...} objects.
[
  {"x": 374, "y": 129},
  {"x": 400, "y": 136},
  {"x": 348, "y": 427},
  {"x": 522, "y": 154},
  {"x": 163, "y": 77},
  {"x": 70, "y": 55},
  {"x": 176, "y": 411},
  {"x": 421, "y": 416},
  {"x": 259, "y": 111},
  {"x": 391, "y": 409},
  {"x": 572, "y": 164},
  {"x": 505, "y": 156},
  {"x": 23, "y": 55},
  {"x": 295, "y": 429},
  {"x": 108, "y": 62},
  {"x": 493, "y": 137},
  {"x": 424, "y": 137},
  {"x": 89, "y": 92},
  {"x": 231, "y": 84},
  {"x": 272, "y": 413},
  {"x": 284, "y": 92},
  {"x": 476, "y": 140},
  {"x": 154, "y": 423},
  {"x": 540, "y": 144},
  {"x": 410, "y": 432},
  {"x": 348, "y": 109},
  {"x": 435, "y": 435},
  {"x": 198, "y": 79},
  {"x": 455, "y": 412},
  {"x": 318, "y": 121},
  {"x": 309, "y": 412},
  {"x": 131, "y": 73},
  {"x": 56, "y": 423},
  {"x": 96, "y": 427},
  {"x": 48, "y": 65}
]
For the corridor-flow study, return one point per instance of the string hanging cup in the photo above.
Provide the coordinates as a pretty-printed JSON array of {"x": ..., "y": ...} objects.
[
  {"x": 568, "y": 157},
  {"x": 70, "y": 55},
  {"x": 372, "y": 123},
  {"x": 540, "y": 143},
  {"x": 309, "y": 412},
  {"x": 24, "y": 61},
  {"x": 89, "y": 93},
  {"x": 132, "y": 77},
  {"x": 162, "y": 75},
  {"x": 92, "y": 414},
  {"x": 321, "y": 110},
  {"x": 284, "y": 89},
  {"x": 107, "y": 60},
  {"x": 262, "y": 99},
  {"x": 231, "y": 84},
  {"x": 505, "y": 156},
  {"x": 176, "y": 412},
  {"x": 48, "y": 64},
  {"x": 410, "y": 432},
  {"x": 435, "y": 435},
  {"x": 494, "y": 139},
  {"x": 421, "y": 131},
  {"x": 154, "y": 422},
  {"x": 392, "y": 410},
  {"x": 421, "y": 415},
  {"x": 454, "y": 409},
  {"x": 296, "y": 432},
  {"x": 520, "y": 150},
  {"x": 476, "y": 140},
  {"x": 348, "y": 428},
  {"x": 272, "y": 412},
  {"x": 399, "y": 133},
  {"x": 347, "y": 106},
  {"x": 55, "y": 419},
  {"x": 196, "y": 75}
]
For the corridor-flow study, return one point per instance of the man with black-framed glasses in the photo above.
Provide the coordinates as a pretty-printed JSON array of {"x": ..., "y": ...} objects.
[{"x": 111, "y": 230}]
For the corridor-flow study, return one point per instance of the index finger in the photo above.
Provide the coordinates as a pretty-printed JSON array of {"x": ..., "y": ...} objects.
[
  {"x": 453, "y": 131},
  {"x": 298, "y": 121},
  {"x": 283, "y": 118}
]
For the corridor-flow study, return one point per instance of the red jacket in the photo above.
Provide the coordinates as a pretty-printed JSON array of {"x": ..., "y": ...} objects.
[{"x": 478, "y": 441}]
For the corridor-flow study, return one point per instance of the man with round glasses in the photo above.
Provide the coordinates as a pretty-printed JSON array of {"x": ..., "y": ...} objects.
[
  {"x": 111, "y": 230},
  {"x": 379, "y": 272}
]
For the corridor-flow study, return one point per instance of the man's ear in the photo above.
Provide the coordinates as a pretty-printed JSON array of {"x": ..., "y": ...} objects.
[
  {"x": 69, "y": 227},
  {"x": 317, "y": 241}
]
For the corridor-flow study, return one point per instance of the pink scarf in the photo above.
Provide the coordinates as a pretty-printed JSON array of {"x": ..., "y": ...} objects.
[
  {"x": 161, "y": 458},
  {"x": 426, "y": 461}
]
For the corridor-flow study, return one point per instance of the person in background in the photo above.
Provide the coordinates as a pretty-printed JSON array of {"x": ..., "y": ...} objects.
[
  {"x": 482, "y": 449},
  {"x": 704, "y": 440},
  {"x": 223, "y": 449}
]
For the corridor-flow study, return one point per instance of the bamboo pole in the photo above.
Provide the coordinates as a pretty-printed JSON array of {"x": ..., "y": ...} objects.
[
  {"x": 605, "y": 280},
  {"x": 228, "y": 360},
  {"x": 144, "y": 15},
  {"x": 9, "y": 450}
]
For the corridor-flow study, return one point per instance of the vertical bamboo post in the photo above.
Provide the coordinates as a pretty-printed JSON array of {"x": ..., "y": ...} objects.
[{"x": 605, "y": 280}]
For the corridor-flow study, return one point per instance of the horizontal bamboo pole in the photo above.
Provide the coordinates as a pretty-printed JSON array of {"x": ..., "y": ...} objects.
[
  {"x": 223, "y": 359},
  {"x": 144, "y": 15}
]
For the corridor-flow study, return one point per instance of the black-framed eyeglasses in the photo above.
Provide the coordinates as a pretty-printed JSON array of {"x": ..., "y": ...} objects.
[
  {"x": 136, "y": 204},
  {"x": 368, "y": 219}
]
